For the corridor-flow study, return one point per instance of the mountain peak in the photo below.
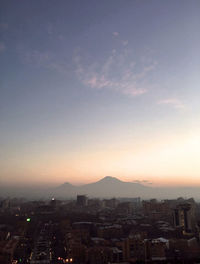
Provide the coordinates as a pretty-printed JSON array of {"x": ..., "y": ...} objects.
[
  {"x": 66, "y": 183},
  {"x": 110, "y": 179}
]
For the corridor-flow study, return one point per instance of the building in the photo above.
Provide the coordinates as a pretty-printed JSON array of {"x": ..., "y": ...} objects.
[
  {"x": 82, "y": 200},
  {"x": 133, "y": 249},
  {"x": 184, "y": 217}
]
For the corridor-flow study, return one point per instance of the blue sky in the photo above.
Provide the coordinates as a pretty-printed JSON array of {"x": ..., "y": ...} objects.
[{"x": 88, "y": 78}]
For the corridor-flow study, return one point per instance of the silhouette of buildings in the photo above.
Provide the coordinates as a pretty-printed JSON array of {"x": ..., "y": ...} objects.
[
  {"x": 184, "y": 217},
  {"x": 82, "y": 200}
]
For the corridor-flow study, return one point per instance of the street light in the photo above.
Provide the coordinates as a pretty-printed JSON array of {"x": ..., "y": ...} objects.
[{"x": 69, "y": 260}]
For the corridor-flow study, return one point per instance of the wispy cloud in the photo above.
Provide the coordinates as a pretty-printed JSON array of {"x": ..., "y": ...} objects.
[
  {"x": 174, "y": 102},
  {"x": 125, "y": 42},
  {"x": 118, "y": 72},
  {"x": 2, "y": 47},
  {"x": 36, "y": 57},
  {"x": 116, "y": 34},
  {"x": 45, "y": 59},
  {"x": 143, "y": 182}
]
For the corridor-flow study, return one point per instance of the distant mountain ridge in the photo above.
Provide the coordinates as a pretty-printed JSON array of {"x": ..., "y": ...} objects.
[
  {"x": 109, "y": 187},
  {"x": 106, "y": 187}
]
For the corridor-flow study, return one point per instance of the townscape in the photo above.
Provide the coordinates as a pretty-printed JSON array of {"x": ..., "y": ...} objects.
[
  {"x": 99, "y": 231},
  {"x": 90, "y": 88}
]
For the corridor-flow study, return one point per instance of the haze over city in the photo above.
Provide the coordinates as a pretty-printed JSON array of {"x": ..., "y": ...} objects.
[
  {"x": 96, "y": 88},
  {"x": 99, "y": 131}
]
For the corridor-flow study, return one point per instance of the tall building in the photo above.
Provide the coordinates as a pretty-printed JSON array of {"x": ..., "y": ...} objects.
[
  {"x": 184, "y": 217},
  {"x": 82, "y": 200}
]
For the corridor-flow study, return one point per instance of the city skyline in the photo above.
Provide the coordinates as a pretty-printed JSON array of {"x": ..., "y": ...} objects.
[{"x": 96, "y": 88}]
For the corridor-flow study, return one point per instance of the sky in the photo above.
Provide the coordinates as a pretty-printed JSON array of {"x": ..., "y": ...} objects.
[{"x": 94, "y": 88}]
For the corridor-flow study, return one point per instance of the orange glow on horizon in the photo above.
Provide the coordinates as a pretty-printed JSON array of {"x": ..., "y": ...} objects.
[{"x": 169, "y": 161}]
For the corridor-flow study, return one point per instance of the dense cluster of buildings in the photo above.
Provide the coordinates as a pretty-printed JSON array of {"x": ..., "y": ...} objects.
[{"x": 94, "y": 231}]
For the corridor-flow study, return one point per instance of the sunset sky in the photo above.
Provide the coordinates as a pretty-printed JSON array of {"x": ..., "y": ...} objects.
[{"x": 94, "y": 88}]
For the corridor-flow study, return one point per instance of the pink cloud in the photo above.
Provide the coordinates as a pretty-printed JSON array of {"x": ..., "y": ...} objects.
[
  {"x": 125, "y": 42},
  {"x": 135, "y": 91},
  {"x": 116, "y": 34},
  {"x": 117, "y": 73},
  {"x": 92, "y": 82},
  {"x": 176, "y": 103}
]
